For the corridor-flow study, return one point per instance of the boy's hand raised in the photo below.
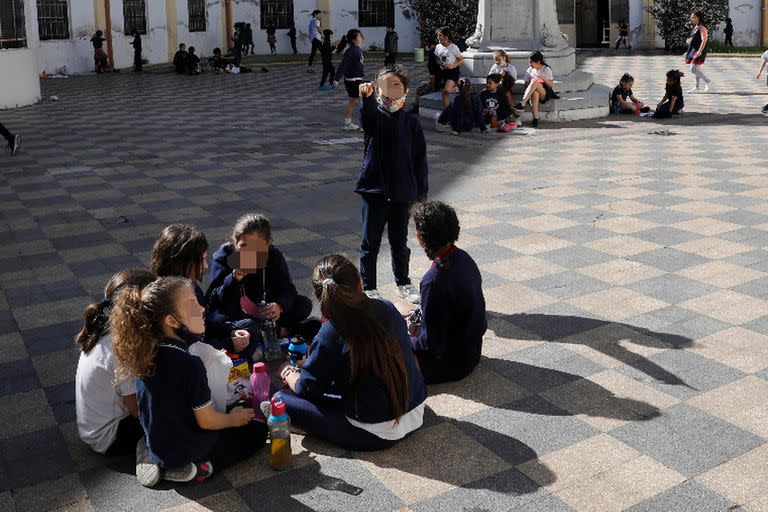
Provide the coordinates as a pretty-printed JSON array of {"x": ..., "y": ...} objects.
[{"x": 367, "y": 89}]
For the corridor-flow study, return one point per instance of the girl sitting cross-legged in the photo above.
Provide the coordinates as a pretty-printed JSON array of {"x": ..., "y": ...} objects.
[{"x": 360, "y": 387}]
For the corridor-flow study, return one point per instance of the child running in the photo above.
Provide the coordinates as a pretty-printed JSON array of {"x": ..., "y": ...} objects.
[
  {"x": 352, "y": 70},
  {"x": 394, "y": 175},
  {"x": 107, "y": 411},
  {"x": 449, "y": 59},
  {"x": 186, "y": 438},
  {"x": 541, "y": 84},
  {"x": 360, "y": 388},
  {"x": 623, "y": 100},
  {"x": 672, "y": 102},
  {"x": 763, "y": 64}
]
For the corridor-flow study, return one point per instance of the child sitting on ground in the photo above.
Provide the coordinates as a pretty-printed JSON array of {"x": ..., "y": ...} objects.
[
  {"x": 261, "y": 275},
  {"x": 360, "y": 388},
  {"x": 623, "y": 100},
  {"x": 180, "y": 59},
  {"x": 496, "y": 110},
  {"x": 672, "y": 102},
  {"x": 193, "y": 62},
  {"x": 107, "y": 412},
  {"x": 186, "y": 438},
  {"x": 465, "y": 113},
  {"x": 448, "y": 339}
]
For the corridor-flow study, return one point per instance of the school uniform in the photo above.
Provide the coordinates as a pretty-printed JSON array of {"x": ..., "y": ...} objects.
[
  {"x": 448, "y": 55},
  {"x": 326, "y": 54},
  {"x": 460, "y": 120},
  {"x": 167, "y": 404},
  {"x": 671, "y": 91},
  {"x": 695, "y": 44},
  {"x": 508, "y": 76},
  {"x": 103, "y": 421},
  {"x": 533, "y": 74},
  {"x": 224, "y": 292},
  {"x": 454, "y": 320},
  {"x": 495, "y": 101},
  {"x": 393, "y": 176},
  {"x": 325, "y": 406},
  {"x": 619, "y": 92},
  {"x": 352, "y": 69}
]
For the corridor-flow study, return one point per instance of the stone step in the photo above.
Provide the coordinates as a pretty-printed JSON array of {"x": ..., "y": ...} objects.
[
  {"x": 572, "y": 106},
  {"x": 576, "y": 81}
]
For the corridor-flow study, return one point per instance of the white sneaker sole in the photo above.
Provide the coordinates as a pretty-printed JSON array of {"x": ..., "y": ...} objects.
[{"x": 147, "y": 472}]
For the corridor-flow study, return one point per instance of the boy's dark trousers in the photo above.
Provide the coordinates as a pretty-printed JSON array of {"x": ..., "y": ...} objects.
[
  {"x": 316, "y": 44},
  {"x": 328, "y": 72},
  {"x": 729, "y": 39},
  {"x": 293, "y": 46},
  {"x": 379, "y": 211},
  {"x": 5, "y": 133},
  {"x": 137, "y": 64},
  {"x": 390, "y": 59}
]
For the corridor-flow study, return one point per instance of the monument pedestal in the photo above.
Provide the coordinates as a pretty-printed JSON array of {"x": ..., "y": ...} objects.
[{"x": 520, "y": 27}]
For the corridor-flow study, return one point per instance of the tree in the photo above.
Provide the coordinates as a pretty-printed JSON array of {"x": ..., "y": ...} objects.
[
  {"x": 673, "y": 18},
  {"x": 459, "y": 15}
]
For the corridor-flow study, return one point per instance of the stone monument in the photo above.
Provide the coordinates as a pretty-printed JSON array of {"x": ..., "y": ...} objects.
[{"x": 519, "y": 27}]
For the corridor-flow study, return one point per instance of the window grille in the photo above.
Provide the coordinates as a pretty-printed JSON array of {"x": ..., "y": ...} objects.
[
  {"x": 13, "y": 32},
  {"x": 52, "y": 19},
  {"x": 135, "y": 16},
  {"x": 277, "y": 13},
  {"x": 376, "y": 13},
  {"x": 196, "y": 15}
]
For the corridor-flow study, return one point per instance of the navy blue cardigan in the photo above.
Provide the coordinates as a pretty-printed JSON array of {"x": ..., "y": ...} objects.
[
  {"x": 352, "y": 64},
  {"x": 453, "y": 311},
  {"x": 395, "y": 162},
  {"x": 223, "y": 295},
  {"x": 326, "y": 370}
]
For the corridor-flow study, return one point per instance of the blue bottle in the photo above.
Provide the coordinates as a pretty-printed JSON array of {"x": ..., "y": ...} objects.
[{"x": 297, "y": 351}]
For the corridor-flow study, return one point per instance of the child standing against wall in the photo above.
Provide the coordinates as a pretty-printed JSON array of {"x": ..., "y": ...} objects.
[{"x": 137, "y": 60}]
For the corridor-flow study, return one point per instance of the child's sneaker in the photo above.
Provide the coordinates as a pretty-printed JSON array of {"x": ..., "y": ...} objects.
[
  {"x": 373, "y": 294},
  {"x": 191, "y": 472},
  {"x": 519, "y": 106},
  {"x": 15, "y": 144},
  {"x": 409, "y": 293},
  {"x": 535, "y": 122},
  {"x": 326, "y": 87},
  {"x": 147, "y": 472},
  {"x": 348, "y": 127}
]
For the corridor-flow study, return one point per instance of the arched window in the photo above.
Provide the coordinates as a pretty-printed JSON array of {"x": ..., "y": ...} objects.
[
  {"x": 376, "y": 13},
  {"x": 277, "y": 13},
  {"x": 13, "y": 32}
]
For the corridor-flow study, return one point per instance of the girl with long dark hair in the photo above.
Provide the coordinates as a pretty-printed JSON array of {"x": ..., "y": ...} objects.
[
  {"x": 697, "y": 52},
  {"x": 360, "y": 388},
  {"x": 107, "y": 413},
  {"x": 541, "y": 85}
]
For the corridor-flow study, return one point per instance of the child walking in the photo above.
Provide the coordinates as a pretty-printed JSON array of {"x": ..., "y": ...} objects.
[
  {"x": 672, "y": 102},
  {"x": 362, "y": 355},
  {"x": 763, "y": 64},
  {"x": 107, "y": 411},
  {"x": 326, "y": 55},
  {"x": 186, "y": 438},
  {"x": 697, "y": 52},
  {"x": 394, "y": 175},
  {"x": 623, "y": 100},
  {"x": 352, "y": 70}
]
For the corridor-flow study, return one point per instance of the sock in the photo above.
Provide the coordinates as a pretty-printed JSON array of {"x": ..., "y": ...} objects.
[{"x": 347, "y": 120}]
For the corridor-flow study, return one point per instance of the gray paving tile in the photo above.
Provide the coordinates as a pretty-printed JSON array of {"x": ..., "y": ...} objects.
[
  {"x": 672, "y": 288},
  {"x": 689, "y": 496},
  {"x": 668, "y": 259}
]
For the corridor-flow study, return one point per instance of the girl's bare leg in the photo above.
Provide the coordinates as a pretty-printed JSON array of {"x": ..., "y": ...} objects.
[
  {"x": 350, "y": 108},
  {"x": 450, "y": 86},
  {"x": 535, "y": 104}
]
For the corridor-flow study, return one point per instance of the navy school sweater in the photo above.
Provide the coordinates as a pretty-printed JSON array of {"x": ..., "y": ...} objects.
[
  {"x": 453, "y": 311},
  {"x": 352, "y": 64},
  {"x": 395, "y": 161},
  {"x": 326, "y": 370},
  {"x": 223, "y": 295}
]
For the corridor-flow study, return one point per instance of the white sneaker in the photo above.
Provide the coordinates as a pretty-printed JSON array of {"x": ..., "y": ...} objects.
[
  {"x": 409, "y": 293},
  {"x": 439, "y": 126},
  {"x": 182, "y": 474},
  {"x": 348, "y": 127},
  {"x": 147, "y": 472},
  {"x": 373, "y": 294},
  {"x": 693, "y": 89},
  {"x": 706, "y": 87}
]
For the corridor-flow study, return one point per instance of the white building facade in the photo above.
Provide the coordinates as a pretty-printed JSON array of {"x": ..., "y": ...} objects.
[
  {"x": 19, "y": 84},
  {"x": 593, "y": 23},
  {"x": 65, "y": 27}
]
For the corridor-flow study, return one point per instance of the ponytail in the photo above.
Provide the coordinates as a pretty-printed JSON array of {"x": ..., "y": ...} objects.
[
  {"x": 96, "y": 316},
  {"x": 137, "y": 324},
  {"x": 373, "y": 351}
]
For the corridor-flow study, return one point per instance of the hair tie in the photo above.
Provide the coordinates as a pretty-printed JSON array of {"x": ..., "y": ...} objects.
[{"x": 328, "y": 281}]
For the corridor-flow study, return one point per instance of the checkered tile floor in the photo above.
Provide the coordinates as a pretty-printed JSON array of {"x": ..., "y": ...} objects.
[{"x": 626, "y": 275}]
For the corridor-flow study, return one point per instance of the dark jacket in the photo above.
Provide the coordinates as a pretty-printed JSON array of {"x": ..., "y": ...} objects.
[
  {"x": 352, "y": 65},
  {"x": 395, "y": 162},
  {"x": 453, "y": 312},
  {"x": 326, "y": 52},
  {"x": 496, "y": 101},
  {"x": 461, "y": 120},
  {"x": 390, "y": 42},
  {"x": 327, "y": 370},
  {"x": 180, "y": 61},
  {"x": 223, "y": 295}
]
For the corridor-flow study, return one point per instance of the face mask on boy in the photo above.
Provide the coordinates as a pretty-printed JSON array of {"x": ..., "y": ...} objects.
[{"x": 389, "y": 104}]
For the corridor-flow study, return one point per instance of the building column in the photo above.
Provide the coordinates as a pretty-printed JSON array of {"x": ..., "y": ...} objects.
[
  {"x": 226, "y": 21},
  {"x": 649, "y": 26},
  {"x": 172, "y": 28},
  {"x": 325, "y": 18}
]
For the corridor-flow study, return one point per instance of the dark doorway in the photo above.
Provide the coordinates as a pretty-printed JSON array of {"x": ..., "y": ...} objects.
[{"x": 592, "y": 23}]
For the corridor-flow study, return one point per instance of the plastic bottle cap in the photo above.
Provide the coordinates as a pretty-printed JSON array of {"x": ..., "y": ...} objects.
[
  {"x": 260, "y": 368},
  {"x": 277, "y": 408}
]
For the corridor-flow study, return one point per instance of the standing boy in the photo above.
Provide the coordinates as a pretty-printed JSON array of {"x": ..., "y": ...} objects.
[
  {"x": 315, "y": 29},
  {"x": 292, "y": 36},
  {"x": 326, "y": 54},
  {"x": 728, "y": 32},
  {"x": 136, "y": 43},
  {"x": 14, "y": 140},
  {"x": 390, "y": 47},
  {"x": 394, "y": 175}
]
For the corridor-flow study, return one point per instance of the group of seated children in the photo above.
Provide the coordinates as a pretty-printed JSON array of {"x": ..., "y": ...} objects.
[
  {"x": 362, "y": 387},
  {"x": 187, "y": 62},
  {"x": 623, "y": 100}
]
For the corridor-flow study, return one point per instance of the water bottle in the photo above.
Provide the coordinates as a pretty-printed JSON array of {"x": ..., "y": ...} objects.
[
  {"x": 279, "y": 423},
  {"x": 260, "y": 383},
  {"x": 297, "y": 351},
  {"x": 494, "y": 120},
  {"x": 272, "y": 350}
]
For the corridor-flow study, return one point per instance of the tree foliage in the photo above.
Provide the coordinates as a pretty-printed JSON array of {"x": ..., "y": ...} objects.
[
  {"x": 459, "y": 15},
  {"x": 673, "y": 18}
]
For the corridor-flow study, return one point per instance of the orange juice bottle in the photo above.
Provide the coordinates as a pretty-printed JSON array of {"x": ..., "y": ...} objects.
[{"x": 279, "y": 423}]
